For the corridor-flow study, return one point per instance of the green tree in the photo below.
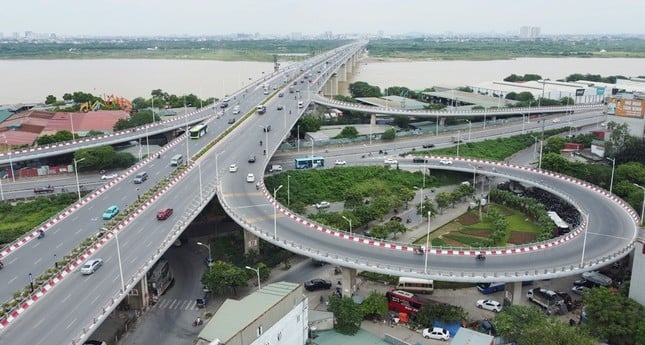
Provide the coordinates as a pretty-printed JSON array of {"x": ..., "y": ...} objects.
[
  {"x": 426, "y": 206},
  {"x": 222, "y": 277},
  {"x": 51, "y": 99},
  {"x": 309, "y": 123},
  {"x": 353, "y": 200},
  {"x": 525, "y": 96},
  {"x": 554, "y": 144},
  {"x": 443, "y": 200},
  {"x": 375, "y": 305},
  {"x": 440, "y": 312},
  {"x": 363, "y": 89},
  {"x": 389, "y": 134},
  {"x": 95, "y": 158},
  {"x": 348, "y": 315},
  {"x": 348, "y": 132},
  {"x": 67, "y": 97},
  {"x": 395, "y": 227},
  {"x": 379, "y": 231},
  {"x": 401, "y": 121},
  {"x": 613, "y": 316}
]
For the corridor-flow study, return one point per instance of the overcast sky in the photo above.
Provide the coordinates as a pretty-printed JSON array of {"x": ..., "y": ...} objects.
[{"x": 216, "y": 17}]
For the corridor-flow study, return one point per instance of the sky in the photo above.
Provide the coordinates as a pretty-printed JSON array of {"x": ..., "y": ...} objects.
[{"x": 217, "y": 17}]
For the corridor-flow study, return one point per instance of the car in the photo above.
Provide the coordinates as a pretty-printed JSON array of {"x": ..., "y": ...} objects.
[
  {"x": 250, "y": 178},
  {"x": 232, "y": 168},
  {"x": 555, "y": 120},
  {"x": 279, "y": 107},
  {"x": 427, "y": 146},
  {"x": 251, "y": 158},
  {"x": 226, "y": 99},
  {"x": 455, "y": 141},
  {"x": 94, "y": 342},
  {"x": 339, "y": 162},
  {"x": 140, "y": 177},
  {"x": 489, "y": 304},
  {"x": 236, "y": 110},
  {"x": 266, "y": 128},
  {"x": 437, "y": 333},
  {"x": 390, "y": 161},
  {"x": 266, "y": 92},
  {"x": 111, "y": 212},
  {"x": 109, "y": 176},
  {"x": 223, "y": 105},
  {"x": 280, "y": 95},
  {"x": 164, "y": 213},
  {"x": 231, "y": 121},
  {"x": 317, "y": 284},
  {"x": 91, "y": 266},
  {"x": 445, "y": 162},
  {"x": 578, "y": 289},
  {"x": 323, "y": 204}
]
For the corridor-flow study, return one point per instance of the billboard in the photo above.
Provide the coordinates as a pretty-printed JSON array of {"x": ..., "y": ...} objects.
[
  {"x": 580, "y": 92},
  {"x": 626, "y": 107},
  {"x": 600, "y": 91}
]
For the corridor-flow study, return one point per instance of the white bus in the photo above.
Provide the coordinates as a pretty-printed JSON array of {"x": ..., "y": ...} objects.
[{"x": 422, "y": 286}]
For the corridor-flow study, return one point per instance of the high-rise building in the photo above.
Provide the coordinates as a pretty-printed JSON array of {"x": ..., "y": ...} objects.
[{"x": 529, "y": 31}]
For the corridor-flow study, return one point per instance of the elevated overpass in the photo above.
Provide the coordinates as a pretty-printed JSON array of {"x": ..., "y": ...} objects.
[{"x": 77, "y": 305}]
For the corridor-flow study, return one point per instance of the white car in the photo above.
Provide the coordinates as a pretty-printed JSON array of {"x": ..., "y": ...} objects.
[
  {"x": 91, "y": 266},
  {"x": 489, "y": 304},
  {"x": 437, "y": 333},
  {"x": 236, "y": 110},
  {"x": 232, "y": 168},
  {"x": 323, "y": 204},
  {"x": 250, "y": 178},
  {"x": 109, "y": 176},
  {"x": 556, "y": 120},
  {"x": 339, "y": 162},
  {"x": 390, "y": 161},
  {"x": 445, "y": 162}
]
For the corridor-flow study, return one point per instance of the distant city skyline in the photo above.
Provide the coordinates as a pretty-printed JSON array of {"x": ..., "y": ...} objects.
[{"x": 298, "y": 17}]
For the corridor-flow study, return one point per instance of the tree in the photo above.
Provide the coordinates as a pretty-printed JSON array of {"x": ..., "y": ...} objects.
[
  {"x": 424, "y": 207},
  {"x": 395, "y": 227},
  {"x": 554, "y": 144},
  {"x": 348, "y": 132},
  {"x": 389, "y": 134},
  {"x": 618, "y": 137},
  {"x": 67, "y": 97},
  {"x": 222, "y": 277},
  {"x": 525, "y": 96},
  {"x": 353, "y": 200},
  {"x": 440, "y": 312},
  {"x": 348, "y": 316},
  {"x": 51, "y": 99},
  {"x": 309, "y": 123},
  {"x": 401, "y": 121},
  {"x": 363, "y": 89},
  {"x": 613, "y": 316},
  {"x": 443, "y": 200},
  {"x": 379, "y": 231},
  {"x": 374, "y": 306}
]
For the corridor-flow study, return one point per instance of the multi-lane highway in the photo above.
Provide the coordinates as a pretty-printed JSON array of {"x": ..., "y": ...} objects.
[{"x": 72, "y": 309}]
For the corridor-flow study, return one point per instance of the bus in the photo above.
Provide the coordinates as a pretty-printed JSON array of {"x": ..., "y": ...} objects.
[
  {"x": 159, "y": 278},
  {"x": 422, "y": 286},
  {"x": 404, "y": 302},
  {"x": 198, "y": 131},
  {"x": 310, "y": 162},
  {"x": 561, "y": 226}
]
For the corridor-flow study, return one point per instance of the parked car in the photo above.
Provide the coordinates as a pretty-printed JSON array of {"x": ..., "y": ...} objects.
[
  {"x": 323, "y": 204},
  {"x": 339, "y": 162},
  {"x": 232, "y": 168},
  {"x": 317, "y": 284},
  {"x": 489, "y": 304},
  {"x": 427, "y": 146},
  {"x": 390, "y": 161},
  {"x": 109, "y": 176},
  {"x": 445, "y": 162},
  {"x": 250, "y": 178},
  {"x": 91, "y": 266},
  {"x": 111, "y": 212},
  {"x": 437, "y": 333},
  {"x": 164, "y": 213}
]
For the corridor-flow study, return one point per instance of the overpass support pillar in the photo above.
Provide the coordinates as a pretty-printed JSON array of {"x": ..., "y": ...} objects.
[
  {"x": 342, "y": 72},
  {"x": 139, "y": 296},
  {"x": 251, "y": 242},
  {"x": 372, "y": 120},
  {"x": 513, "y": 293},
  {"x": 334, "y": 86},
  {"x": 442, "y": 122},
  {"x": 348, "y": 282}
]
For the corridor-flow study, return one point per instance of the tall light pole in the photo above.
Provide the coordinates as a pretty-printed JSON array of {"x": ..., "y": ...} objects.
[
  {"x": 210, "y": 257},
  {"x": 257, "y": 272},
  {"x": 427, "y": 249},
  {"x": 275, "y": 213},
  {"x": 312, "y": 147},
  {"x": 187, "y": 136},
  {"x": 78, "y": 186},
  {"x": 118, "y": 255},
  {"x": 201, "y": 195},
  {"x": 288, "y": 190},
  {"x": 470, "y": 125},
  {"x": 613, "y": 167},
  {"x": 350, "y": 224},
  {"x": 1, "y": 190},
  {"x": 642, "y": 207},
  {"x": 458, "y": 142},
  {"x": 298, "y": 138},
  {"x": 13, "y": 175}
]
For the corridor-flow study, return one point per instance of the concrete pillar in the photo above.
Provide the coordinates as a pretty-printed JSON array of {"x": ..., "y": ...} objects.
[
  {"x": 342, "y": 72},
  {"x": 348, "y": 281},
  {"x": 350, "y": 65},
  {"x": 373, "y": 120},
  {"x": 139, "y": 297},
  {"x": 251, "y": 242},
  {"x": 334, "y": 86},
  {"x": 513, "y": 293},
  {"x": 442, "y": 122}
]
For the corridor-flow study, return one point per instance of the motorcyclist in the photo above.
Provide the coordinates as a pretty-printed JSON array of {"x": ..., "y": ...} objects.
[
  {"x": 1, "y": 265},
  {"x": 257, "y": 186},
  {"x": 260, "y": 142},
  {"x": 41, "y": 233}
]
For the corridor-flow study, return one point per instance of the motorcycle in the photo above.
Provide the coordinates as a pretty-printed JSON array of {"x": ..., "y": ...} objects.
[
  {"x": 480, "y": 257},
  {"x": 1, "y": 265},
  {"x": 41, "y": 234}
]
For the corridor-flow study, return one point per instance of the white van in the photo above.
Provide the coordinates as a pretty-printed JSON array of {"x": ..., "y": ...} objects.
[
  {"x": 300, "y": 104},
  {"x": 176, "y": 160}
]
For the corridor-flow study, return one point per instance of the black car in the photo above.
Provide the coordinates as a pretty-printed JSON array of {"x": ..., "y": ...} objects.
[
  {"x": 223, "y": 105},
  {"x": 317, "y": 284},
  {"x": 427, "y": 146},
  {"x": 252, "y": 159},
  {"x": 231, "y": 120}
]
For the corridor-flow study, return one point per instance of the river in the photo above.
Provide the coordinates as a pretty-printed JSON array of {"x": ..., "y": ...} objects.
[{"x": 33, "y": 80}]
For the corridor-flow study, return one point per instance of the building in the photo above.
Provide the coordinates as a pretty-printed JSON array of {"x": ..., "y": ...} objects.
[
  {"x": 467, "y": 336},
  {"x": 276, "y": 314},
  {"x": 529, "y": 31}
]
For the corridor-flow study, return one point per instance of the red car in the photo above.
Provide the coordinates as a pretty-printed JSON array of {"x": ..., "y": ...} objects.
[{"x": 163, "y": 214}]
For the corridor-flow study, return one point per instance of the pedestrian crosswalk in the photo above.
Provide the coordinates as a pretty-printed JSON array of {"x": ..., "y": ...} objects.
[{"x": 179, "y": 304}]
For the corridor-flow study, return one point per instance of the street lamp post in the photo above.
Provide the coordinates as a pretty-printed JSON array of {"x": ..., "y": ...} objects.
[
  {"x": 458, "y": 142},
  {"x": 257, "y": 272},
  {"x": 298, "y": 137},
  {"x": 613, "y": 167},
  {"x": 642, "y": 207},
  {"x": 118, "y": 255},
  {"x": 210, "y": 257},
  {"x": 312, "y": 147},
  {"x": 13, "y": 175},
  {"x": 275, "y": 213},
  {"x": 78, "y": 186},
  {"x": 288, "y": 190},
  {"x": 470, "y": 125},
  {"x": 427, "y": 249},
  {"x": 350, "y": 224}
]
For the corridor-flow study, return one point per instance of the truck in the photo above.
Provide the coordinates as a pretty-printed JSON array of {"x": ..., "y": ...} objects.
[
  {"x": 275, "y": 168},
  {"x": 45, "y": 189},
  {"x": 551, "y": 301}
]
